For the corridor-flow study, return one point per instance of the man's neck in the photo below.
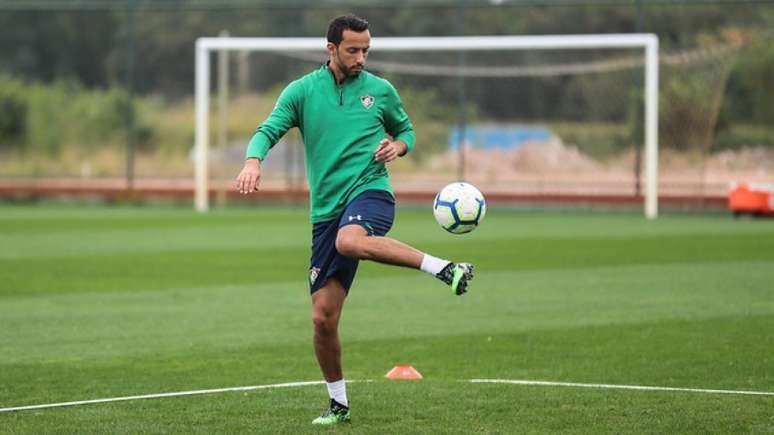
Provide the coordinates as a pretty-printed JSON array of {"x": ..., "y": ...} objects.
[{"x": 337, "y": 74}]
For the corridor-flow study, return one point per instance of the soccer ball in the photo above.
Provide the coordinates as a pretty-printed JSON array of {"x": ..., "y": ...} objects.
[{"x": 459, "y": 208}]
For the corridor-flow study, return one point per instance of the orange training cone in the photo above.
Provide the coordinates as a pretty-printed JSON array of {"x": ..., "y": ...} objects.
[{"x": 403, "y": 372}]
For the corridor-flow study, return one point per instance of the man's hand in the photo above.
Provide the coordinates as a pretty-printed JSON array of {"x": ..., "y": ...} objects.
[
  {"x": 248, "y": 179},
  {"x": 388, "y": 150}
]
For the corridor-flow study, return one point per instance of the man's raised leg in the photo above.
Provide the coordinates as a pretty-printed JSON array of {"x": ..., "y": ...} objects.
[{"x": 353, "y": 241}]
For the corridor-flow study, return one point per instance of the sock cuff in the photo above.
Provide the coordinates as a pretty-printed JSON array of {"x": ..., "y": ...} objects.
[
  {"x": 336, "y": 384},
  {"x": 337, "y": 391},
  {"x": 433, "y": 265}
]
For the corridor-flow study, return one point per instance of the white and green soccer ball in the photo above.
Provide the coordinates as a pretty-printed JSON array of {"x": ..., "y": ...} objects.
[{"x": 459, "y": 208}]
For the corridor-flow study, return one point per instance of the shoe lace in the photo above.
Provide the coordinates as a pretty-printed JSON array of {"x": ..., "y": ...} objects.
[
  {"x": 447, "y": 273},
  {"x": 334, "y": 409}
]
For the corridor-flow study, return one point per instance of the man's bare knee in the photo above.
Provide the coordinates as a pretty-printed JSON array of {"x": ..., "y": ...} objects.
[
  {"x": 325, "y": 322},
  {"x": 326, "y": 307},
  {"x": 350, "y": 245},
  {"x": 325, "y": 316}
]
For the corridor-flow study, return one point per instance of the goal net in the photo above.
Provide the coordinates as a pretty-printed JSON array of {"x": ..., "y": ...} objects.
[{"x": 570, "y": 117}]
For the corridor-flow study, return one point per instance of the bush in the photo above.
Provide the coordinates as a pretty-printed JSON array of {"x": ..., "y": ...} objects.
[
  {"x": 13, "y": 113},
  {"x": 102, "y": 116},
  {"x": 686, "y": 116},
  {"x": 600, "y": 140},
  {"x": 46, "y": 121},
  {"x": 46, "y": 118},
  {"x": 741, "y": 136}
]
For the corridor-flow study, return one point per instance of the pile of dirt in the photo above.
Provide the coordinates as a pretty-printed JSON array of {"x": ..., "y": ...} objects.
[
  {"x": 557, "y": 157},
  {"x": 758, "y": 161},
  {"x": 533, "y": 157}
]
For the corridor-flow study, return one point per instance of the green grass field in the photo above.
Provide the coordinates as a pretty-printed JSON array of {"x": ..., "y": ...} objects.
[{"x": 105, "y": 302}]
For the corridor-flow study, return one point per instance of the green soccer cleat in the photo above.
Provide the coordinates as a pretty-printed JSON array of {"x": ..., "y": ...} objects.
[
  {"x": 457, "y": 276},
  {"x": 336, "y": 413}
]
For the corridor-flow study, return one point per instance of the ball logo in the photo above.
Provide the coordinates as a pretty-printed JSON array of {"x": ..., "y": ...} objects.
[{"x": 367, "y": 101}]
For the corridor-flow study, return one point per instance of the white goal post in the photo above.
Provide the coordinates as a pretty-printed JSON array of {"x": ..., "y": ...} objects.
[{"x": 649, "y": 42}]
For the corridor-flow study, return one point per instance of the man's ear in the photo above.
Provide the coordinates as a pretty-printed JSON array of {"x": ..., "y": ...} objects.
[{"x": 331, "y": 48}]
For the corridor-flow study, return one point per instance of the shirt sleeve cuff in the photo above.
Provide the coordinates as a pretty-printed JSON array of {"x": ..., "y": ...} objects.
[
  {"x": 408, "y": 138},
  {"x": 258, "y": 146}
]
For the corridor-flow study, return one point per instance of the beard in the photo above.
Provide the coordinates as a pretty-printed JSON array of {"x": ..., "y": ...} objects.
[{"x": 352, "y": 71}]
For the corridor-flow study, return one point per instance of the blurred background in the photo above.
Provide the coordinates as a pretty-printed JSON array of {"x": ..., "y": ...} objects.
[{"x": 96, "y": 97}]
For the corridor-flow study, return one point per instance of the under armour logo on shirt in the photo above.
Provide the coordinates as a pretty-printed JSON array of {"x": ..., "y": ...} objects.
[{"x": 358, "y": 217}]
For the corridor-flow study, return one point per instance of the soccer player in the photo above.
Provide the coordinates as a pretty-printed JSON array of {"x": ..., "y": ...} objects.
[{"x": 352, "y": 123}]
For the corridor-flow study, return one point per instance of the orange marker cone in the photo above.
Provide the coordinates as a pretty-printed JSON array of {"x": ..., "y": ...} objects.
[{"x": 403, "y": 372}]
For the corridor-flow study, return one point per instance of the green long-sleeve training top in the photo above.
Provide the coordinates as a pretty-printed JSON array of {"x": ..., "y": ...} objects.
[{"x": 341, "y": 126}]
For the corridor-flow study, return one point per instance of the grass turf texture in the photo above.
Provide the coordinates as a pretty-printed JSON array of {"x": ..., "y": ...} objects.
[{"x": 100, "y": 302}]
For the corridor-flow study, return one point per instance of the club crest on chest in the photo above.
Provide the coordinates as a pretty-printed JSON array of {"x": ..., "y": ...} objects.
[{"x": 367, "y": 101}]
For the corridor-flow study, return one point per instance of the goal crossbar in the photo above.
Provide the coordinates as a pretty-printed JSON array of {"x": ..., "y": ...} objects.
[{"x": 648, "y": 42}]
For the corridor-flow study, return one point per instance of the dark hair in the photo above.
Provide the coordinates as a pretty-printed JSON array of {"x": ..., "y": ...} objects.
[{"x": 345, "y": 22}]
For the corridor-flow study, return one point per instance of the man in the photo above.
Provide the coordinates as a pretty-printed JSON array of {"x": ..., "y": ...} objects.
[{"x": 352, "y": 123}]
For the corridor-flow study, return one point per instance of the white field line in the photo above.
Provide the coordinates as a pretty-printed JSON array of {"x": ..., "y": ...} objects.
[
  {"x": 618, "y": 387},
  {"x": 305, "y": 383},
  {"x": 159, "y": 395}
]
